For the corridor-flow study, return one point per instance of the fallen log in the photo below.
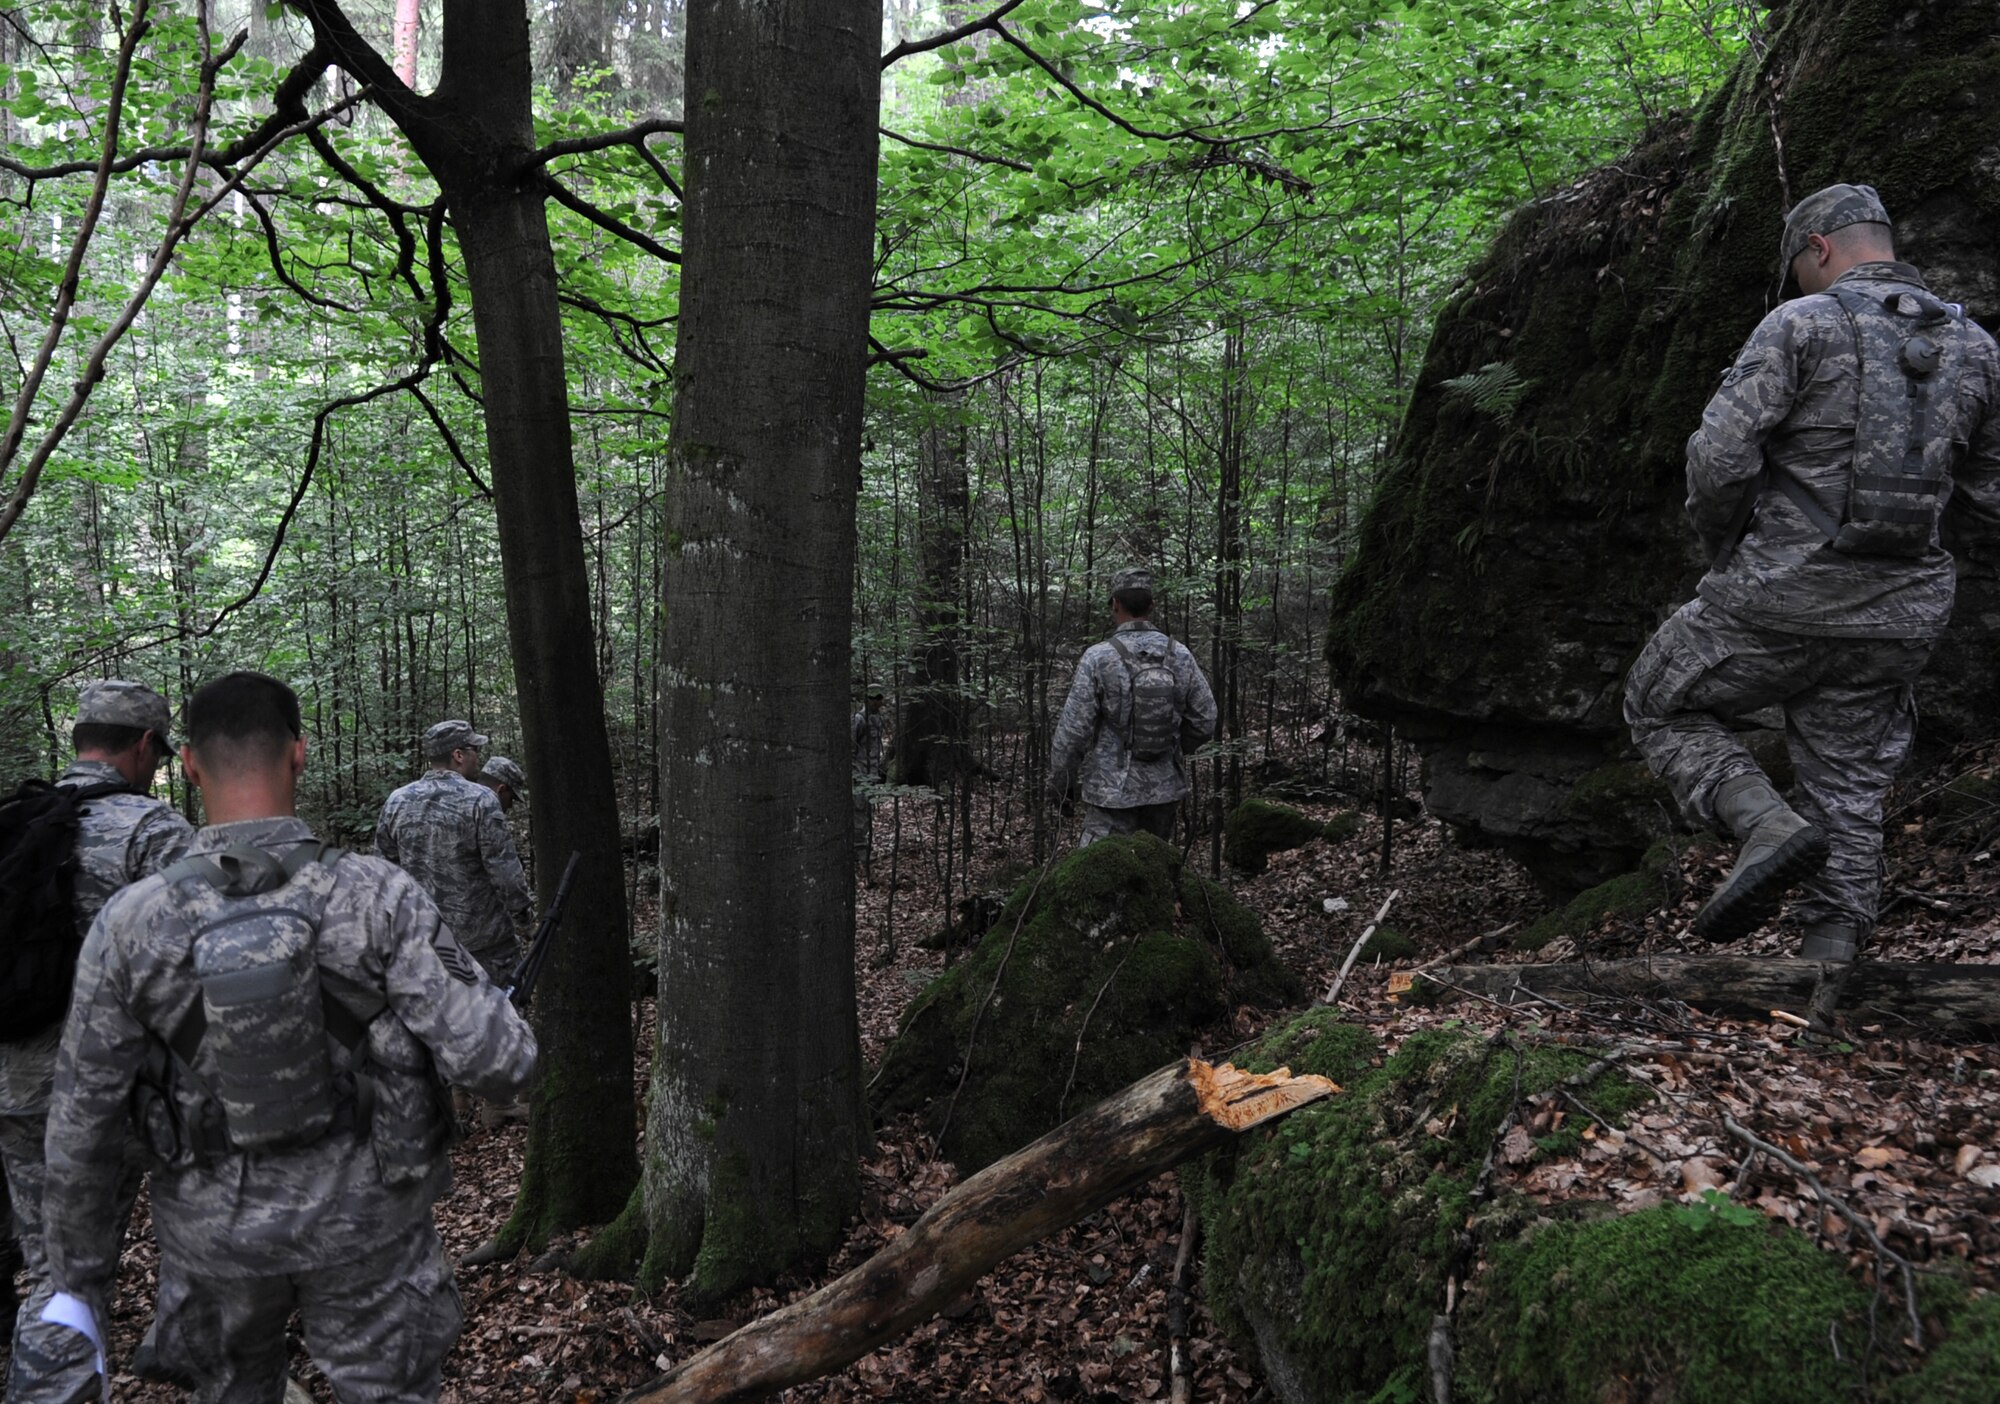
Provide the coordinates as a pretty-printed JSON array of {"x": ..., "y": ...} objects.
[
  {"x": 1082, "y": 1165},
  {"x": 1958, "y": 999}
]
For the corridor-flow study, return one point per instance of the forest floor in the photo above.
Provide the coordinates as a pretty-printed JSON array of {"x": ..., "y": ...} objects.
[{"x": 1902, "y": 1131}]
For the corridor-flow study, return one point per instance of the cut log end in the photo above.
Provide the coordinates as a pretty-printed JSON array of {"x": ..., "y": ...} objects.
[{"x": 1237, "y": 1100}]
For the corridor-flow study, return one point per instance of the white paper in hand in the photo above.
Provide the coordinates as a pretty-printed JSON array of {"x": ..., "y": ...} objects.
[{"x": 75, "y": 1313}]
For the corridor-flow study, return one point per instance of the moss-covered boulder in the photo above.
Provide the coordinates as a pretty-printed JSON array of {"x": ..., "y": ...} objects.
[
  {"x": 1092, "y": 977},
  {"x": 1708, "y": 1303},
  {"x": 1257, "y": 828},
  {"x": 1332, "y": 1235},
  {"x": 1513, "y": 563}
]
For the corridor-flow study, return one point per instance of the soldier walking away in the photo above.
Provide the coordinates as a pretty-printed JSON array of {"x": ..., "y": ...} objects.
[
  {"x": 1816, "y": 482},
  {"x": 1139, "y": 701},
  {"x": 123, "y": 834},
  {"x": 450, "y": 834},
  {"x": 276, "y": 1016},
  {"x": 868, "y": 729}
]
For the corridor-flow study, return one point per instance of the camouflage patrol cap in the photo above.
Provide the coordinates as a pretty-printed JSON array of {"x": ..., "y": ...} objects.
[
  {"x": 116, "y": 702},
  {"x": 449, "y": 736},
  {"x": 503, "y": 770},
  {"x": 1826, "y": 210},
  {"x": 1132, "y": 578}
]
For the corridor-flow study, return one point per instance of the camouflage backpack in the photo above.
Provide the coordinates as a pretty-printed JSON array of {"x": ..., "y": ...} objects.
[
  {"x": 262, "y": 1013},
  {"x": 1912, "y": 352},
  {"x": 1153, "y": 708}
]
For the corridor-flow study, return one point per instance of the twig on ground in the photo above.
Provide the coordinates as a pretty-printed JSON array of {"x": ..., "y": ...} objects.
[
  {"x": 1180, "y": 1390},
  {"x": 1477, "y": 943},
  {"x": 1333, "y": 990},
  {"x": 1846, "y": 1211}
]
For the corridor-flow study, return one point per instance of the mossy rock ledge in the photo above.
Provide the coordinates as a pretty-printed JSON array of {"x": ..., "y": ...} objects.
[
  {"x": 1331, "y": 1237},
  {"x": 1512, "y": 566},
  {"x": 1105, "y": 969}
]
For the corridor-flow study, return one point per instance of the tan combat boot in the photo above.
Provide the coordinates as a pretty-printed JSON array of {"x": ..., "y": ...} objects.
[{"x": 1779, "y": 850}]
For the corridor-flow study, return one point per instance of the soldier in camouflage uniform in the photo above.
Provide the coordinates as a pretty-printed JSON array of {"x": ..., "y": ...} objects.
[
  {"x": 1123, "y": 793},
  {"x": 449, "y": 833},
  {"x": 121, "y": 737},
  {"x": 339, "y": 1226},
  {"x": 505, "y": 779},
  {"x": 1792, "y": 613}
]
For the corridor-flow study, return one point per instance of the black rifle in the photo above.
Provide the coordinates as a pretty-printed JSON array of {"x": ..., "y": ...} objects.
[{"x": 529, "y": 970}]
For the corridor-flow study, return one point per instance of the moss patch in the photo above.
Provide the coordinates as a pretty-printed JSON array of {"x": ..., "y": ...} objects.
[
  {"x": 1119, "y": 949},
  {"x": 1257, "y": 828},
  {"x": 1331, "y": 1236},
  {"x": 1629, "y": 897},
  {"x": 1708, "y": 1304},
  {"x": 1387, "y": 944}
]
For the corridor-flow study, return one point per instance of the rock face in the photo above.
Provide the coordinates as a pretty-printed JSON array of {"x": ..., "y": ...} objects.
[
  {"x": 1091, "y": 978},
  {"x": 1529, "y": 535}
]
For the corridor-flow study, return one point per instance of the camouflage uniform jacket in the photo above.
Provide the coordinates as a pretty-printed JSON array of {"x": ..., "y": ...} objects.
[
  {"x": 449, "y": 834},
  {"x": 120, "y": 839},
  {"x": 281, "y": 1210},
  {"x": 1091, "y": 731},
  {"x": 1793, "y": 398}
]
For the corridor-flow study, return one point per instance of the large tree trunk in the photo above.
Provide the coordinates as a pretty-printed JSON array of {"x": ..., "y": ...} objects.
[
  {"x": 1082, "y": 1165},
  {"x": 581, "y": 1158},
  {"x": 756, "y": 1120},
  {"x": 475, "y": 134}
]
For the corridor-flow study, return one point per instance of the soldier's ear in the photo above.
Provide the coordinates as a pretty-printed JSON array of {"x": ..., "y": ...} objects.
[{"x": 298, "y": 757}]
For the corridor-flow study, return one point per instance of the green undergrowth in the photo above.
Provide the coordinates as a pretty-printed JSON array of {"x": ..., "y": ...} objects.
[
  {"x": 1093, "y": 976},
  {"x": 1257, "y": 828},
  {"x": 1629, "y": 896}
]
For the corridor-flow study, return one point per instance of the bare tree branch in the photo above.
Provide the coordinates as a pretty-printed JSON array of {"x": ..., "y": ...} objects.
[
  {"x": 951, "y": 36},
  {"x": 633, "y": 136},
  {"x": 570, "y": 200}
]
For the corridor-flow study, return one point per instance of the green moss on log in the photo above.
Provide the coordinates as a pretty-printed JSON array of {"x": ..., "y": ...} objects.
[{"x": 1103, "y": 971}]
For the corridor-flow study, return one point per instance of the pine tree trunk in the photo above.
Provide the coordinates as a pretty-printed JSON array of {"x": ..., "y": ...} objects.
[{"x": 756, "y": 1121}]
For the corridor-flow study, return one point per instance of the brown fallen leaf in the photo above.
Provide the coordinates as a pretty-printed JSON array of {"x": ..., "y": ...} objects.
[
  {"x": 1698, "y": 1174},
  {"x": 1518, "y": 1146},
  {"x": 1968, "y": 1156},
  {"x": 1875, "y": 1157}
]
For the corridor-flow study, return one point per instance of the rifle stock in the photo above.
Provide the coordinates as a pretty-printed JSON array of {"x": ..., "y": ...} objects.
[{"x": 529, "y": 971}]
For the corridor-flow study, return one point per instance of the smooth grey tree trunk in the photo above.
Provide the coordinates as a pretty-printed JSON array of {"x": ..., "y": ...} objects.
[
  {"x": 475, "y": 134},
  {"x": 756, "y": 1121}
]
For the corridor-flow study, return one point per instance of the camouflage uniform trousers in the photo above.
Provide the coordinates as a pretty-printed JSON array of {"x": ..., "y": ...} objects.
[
  {"x": 1101, "y": 823},
  {"x": 48, "y": 1364},
  {"x": 1850, "y": 713},
  {"x": 379, "y": 1327}
]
